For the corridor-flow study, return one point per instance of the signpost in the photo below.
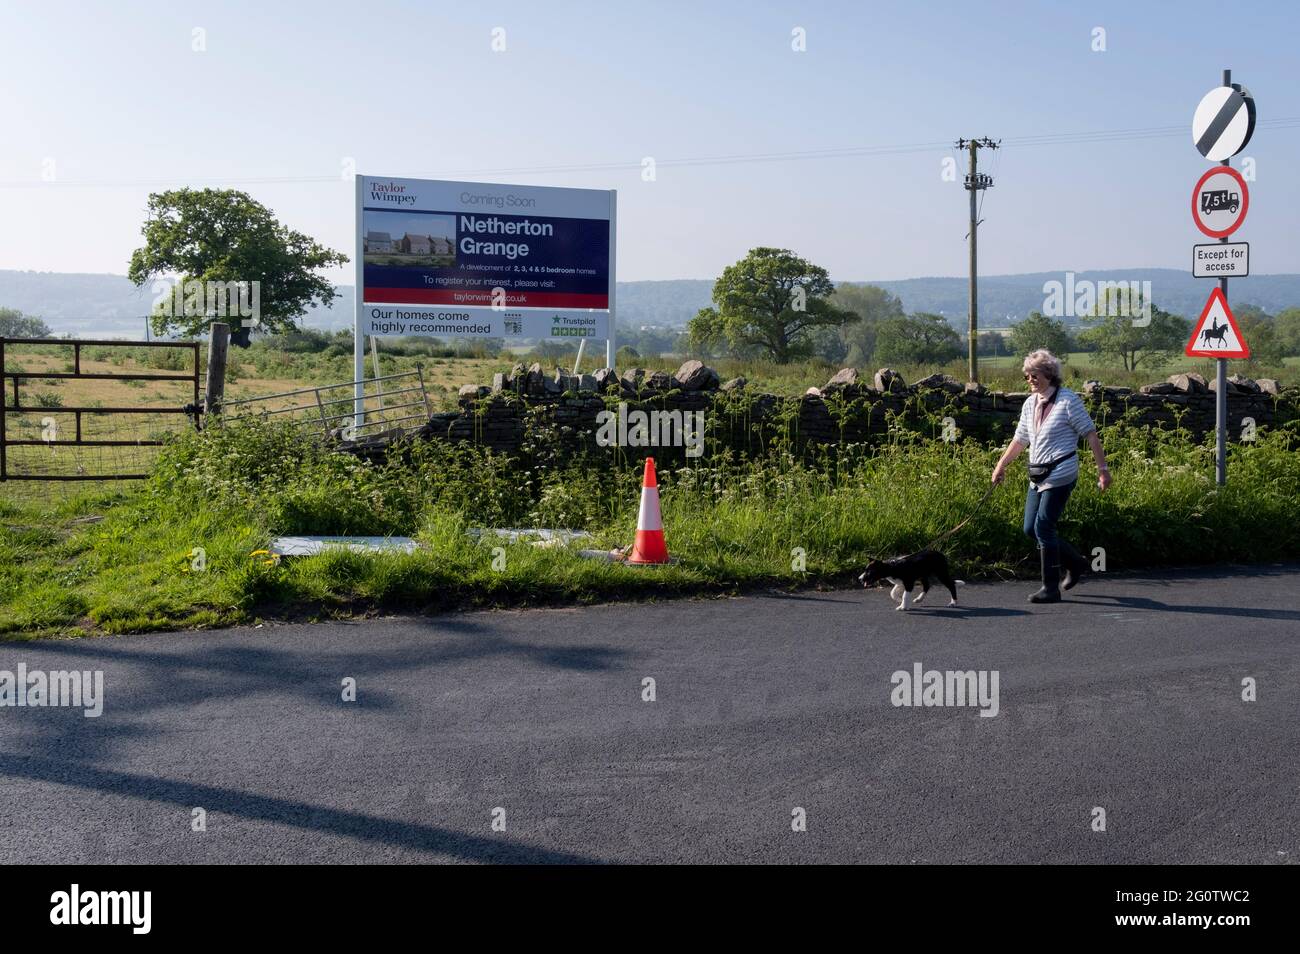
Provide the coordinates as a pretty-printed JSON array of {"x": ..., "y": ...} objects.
[
  {"x": 484, "y": 260},
  {"x": 1228, "y": 260},
  {"x": 1221, "y": 127},
  {"x": 1216, "y": 334}
]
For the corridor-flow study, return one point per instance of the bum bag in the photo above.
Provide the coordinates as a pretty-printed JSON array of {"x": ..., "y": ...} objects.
[{"x": 1040, "y": 472}]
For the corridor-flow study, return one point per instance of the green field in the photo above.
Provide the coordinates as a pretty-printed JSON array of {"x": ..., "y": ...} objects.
[{"x": 1089, "y": 362}]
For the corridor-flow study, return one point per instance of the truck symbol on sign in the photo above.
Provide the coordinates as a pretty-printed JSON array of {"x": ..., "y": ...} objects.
[{"x": 1216, "y": 200}]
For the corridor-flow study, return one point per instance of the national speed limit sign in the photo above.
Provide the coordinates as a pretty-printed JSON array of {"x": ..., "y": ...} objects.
[{"x": 1224, "y": 122}]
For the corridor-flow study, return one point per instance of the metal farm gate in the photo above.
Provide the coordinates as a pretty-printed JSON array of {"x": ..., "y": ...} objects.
[
  {"x": 393, "y": 403},
  {"x": 95, "y": 426}
]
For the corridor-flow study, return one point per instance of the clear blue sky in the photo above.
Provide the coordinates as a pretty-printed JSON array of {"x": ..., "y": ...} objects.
[{"x": 115, "y": 95}]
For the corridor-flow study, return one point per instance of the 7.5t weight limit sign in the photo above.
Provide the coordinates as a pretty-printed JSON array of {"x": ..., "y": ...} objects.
[{"x": 1219, "y": 201}]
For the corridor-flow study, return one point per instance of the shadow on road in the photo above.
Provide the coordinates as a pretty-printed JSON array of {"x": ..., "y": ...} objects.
[
  {"x": 1146, "y": 603},
  {"x": 429, "y": 839},
  {"x": 964, "y": 612},
  {"x": 190, "y": 675},
  {"x": 805, "y": 597},
  {"x": 68, "y": 749}
]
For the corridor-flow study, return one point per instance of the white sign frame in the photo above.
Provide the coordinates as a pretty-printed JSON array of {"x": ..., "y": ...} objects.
[
  {"x": 1241, "y": 264},
  {"x": 498, "y": 320}
]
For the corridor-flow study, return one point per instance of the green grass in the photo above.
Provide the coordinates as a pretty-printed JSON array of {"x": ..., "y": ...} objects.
[{"x": 730, "y": 523}]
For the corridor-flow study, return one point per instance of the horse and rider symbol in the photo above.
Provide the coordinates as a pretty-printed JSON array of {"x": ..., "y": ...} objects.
[
  {"x": 1216, "y": 334},
  {"x": 1216, "y": 331}
]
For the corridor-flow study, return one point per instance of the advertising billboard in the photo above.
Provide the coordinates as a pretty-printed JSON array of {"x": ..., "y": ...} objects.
[{"x": 469, "y": 259}]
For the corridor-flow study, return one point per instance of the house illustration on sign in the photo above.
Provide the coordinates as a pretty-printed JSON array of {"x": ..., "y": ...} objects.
[
  {"x": 415, "y": 244},
  {"x": 378, "y": 242}
]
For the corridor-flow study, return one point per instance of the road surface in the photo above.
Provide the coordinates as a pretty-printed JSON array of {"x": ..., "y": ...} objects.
[{"x": 528, "y": 736}]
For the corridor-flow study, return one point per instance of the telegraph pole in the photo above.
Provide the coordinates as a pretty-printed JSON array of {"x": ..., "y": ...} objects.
[{"x": 975, "y": 182}]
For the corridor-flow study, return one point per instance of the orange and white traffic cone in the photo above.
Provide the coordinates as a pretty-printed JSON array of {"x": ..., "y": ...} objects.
[{"x": 650, "y": 546}]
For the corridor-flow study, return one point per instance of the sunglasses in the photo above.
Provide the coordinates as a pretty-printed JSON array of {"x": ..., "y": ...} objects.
[{"x": 1032, "y": 374}]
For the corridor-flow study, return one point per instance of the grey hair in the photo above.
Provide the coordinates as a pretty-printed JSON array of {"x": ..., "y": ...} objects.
[{"x": 1044, "y": 362}]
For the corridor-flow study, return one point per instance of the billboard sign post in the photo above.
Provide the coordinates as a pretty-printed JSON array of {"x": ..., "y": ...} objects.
[{"x": 481, "y": 260}]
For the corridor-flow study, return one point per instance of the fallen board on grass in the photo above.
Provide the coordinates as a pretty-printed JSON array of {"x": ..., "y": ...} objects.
[{"x": 310, "y": 546}]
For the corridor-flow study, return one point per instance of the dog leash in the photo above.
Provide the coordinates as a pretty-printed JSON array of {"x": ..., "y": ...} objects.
[{"x": 969, "y": 516}]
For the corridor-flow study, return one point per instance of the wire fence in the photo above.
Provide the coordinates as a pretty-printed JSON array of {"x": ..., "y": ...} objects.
[{"x": 390, "y": 403}]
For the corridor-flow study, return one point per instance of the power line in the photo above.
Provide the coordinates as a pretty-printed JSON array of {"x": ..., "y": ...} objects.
[{"x": 843, "y": 152}]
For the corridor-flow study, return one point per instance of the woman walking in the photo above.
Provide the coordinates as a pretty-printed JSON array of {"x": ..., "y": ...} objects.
[{"x": 1052, "y": 421}]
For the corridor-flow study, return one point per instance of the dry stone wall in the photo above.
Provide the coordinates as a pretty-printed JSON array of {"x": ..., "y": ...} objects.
[{"x": 566, "y": 408}]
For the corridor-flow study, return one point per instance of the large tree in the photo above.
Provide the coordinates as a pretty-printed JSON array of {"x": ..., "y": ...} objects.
[
  {"x": 14, "y": 324},
  {"x": 1259, "y": 328},
  {"x": 872, "y": 305},
  {"x": 1134, "y": 341},
  {"x": 1286, "y": 326},
  {"x": 769, "y": 301},
  {"x": 1039, "y": 331},
  {"x": 994, "y": 344},
  {"x": 223, "y": 236},
  {"x": 921, "y": 339}
]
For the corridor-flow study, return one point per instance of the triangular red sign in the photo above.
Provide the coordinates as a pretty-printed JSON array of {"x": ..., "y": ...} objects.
[{"x": 1216, "y": 334}]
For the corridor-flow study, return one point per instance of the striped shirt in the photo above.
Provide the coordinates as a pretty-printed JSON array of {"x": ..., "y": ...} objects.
[{"x": 1059, "y": 433}]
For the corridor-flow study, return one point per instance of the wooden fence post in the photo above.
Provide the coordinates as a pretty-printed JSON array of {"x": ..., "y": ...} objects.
[{"x": 218, "y": 345}]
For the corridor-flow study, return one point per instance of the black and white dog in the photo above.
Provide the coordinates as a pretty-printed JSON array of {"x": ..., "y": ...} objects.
[{"x": 906, "y": 571}]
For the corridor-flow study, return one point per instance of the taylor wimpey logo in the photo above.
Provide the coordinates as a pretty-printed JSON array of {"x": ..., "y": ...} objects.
[
  {"x": 390, "y": 192},
  {"x": 103, "y": 907},
  {"x": 58, "y": 688}
]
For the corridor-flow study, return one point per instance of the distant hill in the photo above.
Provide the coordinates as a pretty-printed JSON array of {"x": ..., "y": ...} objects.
[
  {"x": 1004, "y": 299},
  {"x": 1008, "y": 298},
  {"x": 110, "y": 306}
]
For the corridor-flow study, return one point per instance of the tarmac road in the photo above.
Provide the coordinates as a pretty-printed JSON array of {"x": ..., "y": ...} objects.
[{"x": 1126, "y": 698}]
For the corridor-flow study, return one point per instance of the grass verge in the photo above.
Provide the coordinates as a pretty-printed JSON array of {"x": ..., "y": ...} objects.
[{"x": 179, "y": 550}]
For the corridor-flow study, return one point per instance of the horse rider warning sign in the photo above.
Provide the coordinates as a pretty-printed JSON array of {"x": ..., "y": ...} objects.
[{"x": 1216, "y": 334}]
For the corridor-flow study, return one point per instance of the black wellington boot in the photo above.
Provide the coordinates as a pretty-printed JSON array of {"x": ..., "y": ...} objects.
[
  {"x": 1051, "y": 591},
  {"x": 1073, "y": 566}
]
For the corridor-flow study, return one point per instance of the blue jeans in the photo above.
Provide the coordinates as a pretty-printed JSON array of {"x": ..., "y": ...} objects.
[{"x": 1042, "y": 509}]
